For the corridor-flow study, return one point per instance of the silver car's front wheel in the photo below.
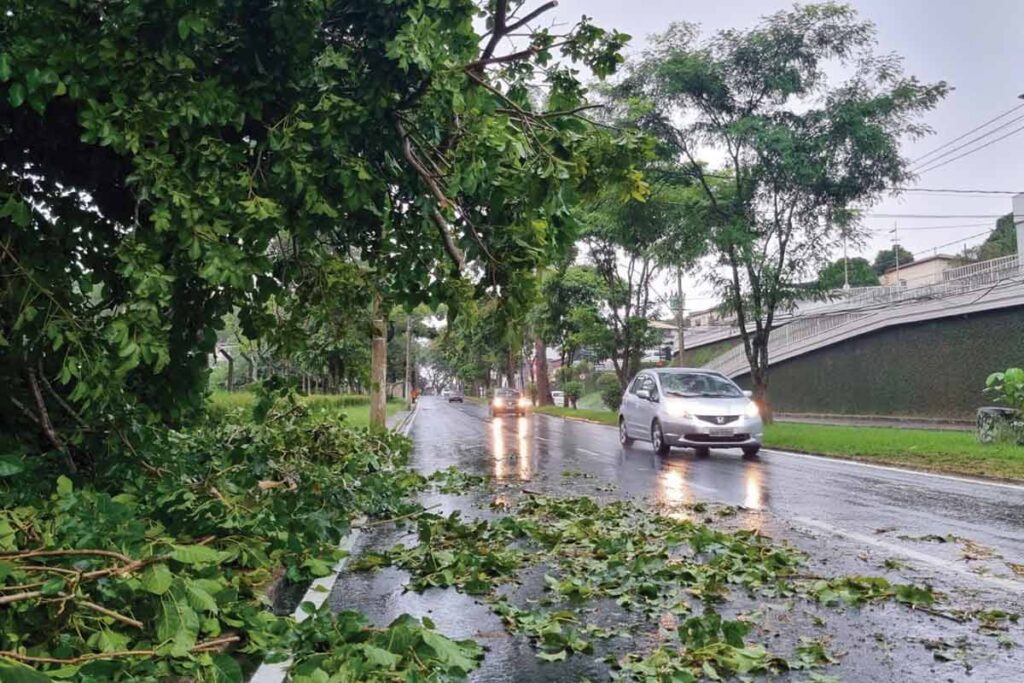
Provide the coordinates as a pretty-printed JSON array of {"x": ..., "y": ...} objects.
[
  {"x": 624, "y": 438},
  {"x": 658, "y": 439}
]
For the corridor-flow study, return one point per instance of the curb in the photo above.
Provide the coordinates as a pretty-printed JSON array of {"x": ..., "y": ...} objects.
[{"x": 320, "y": 588}]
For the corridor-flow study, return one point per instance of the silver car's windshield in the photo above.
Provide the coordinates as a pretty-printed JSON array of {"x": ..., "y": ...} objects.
[{"x": 693, "y": 384}]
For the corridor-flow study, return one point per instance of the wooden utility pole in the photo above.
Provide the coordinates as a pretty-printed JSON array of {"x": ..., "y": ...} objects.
[
  {"x": 378, "y": 364},
  {"x": 679, "y": 316}
]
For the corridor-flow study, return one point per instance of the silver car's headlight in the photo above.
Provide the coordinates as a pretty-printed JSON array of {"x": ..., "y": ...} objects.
[
  {"x": 752, "y": 410},
  {"x": 677, "y": 408}
]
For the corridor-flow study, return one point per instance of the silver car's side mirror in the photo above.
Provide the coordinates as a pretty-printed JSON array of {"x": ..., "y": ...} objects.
[
  {"x": 644, "y": 394},
  {"x": 748, "y": 393}
]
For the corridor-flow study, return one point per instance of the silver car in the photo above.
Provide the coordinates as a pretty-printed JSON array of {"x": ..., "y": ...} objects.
[{"x": 690, "y": 408}]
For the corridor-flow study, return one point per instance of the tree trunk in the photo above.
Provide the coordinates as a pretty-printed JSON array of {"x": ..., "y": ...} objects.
[
  {"x": 510, "y": 370},
  {"x": 408, "y": 358},
  {"x": 679, "y": 318},
  {"x": 540, "y": 373},
  {"x": 231, "y": 369},
  {"x": 759, "y": 378},
  {"x": 378, "y": 365}
]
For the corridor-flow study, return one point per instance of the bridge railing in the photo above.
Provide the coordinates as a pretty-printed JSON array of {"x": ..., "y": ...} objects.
[{"x": 855, "y": 304}]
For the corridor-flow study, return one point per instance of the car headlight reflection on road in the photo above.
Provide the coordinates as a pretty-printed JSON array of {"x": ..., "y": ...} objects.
[
  {"x": 677, "y": 408},
  {"x": 752, "y": 410}
]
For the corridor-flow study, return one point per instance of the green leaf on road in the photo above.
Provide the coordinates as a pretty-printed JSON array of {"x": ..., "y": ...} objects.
[{"x": 156, "y": 579}]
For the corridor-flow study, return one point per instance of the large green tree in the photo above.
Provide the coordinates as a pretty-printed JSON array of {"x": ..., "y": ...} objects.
[
  {"x": 158, "y": 159},
  {"x": 886, "y": 258},
  {"x": 795, "y": 150},
  {"x": 857, "y": 271},
  {"x": 1002, "y": 241}
]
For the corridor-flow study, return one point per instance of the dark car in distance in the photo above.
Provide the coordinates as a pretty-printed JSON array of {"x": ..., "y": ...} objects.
[{"x": 509, "y": 402}]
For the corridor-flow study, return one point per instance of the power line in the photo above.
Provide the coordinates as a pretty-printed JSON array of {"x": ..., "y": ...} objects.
[
  {"x": 962, "y": 239},
  {"x": 970, "y": 151},
  {"x": 954, "y": 191},
  {"x": 971, "y": 141},
  {"x": 934, "y": 215},
  {"x": 973, "y": 130},
  {"x": 939, "y": 227}
]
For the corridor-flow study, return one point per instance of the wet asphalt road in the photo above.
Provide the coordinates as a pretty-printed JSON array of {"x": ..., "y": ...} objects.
[{"x": 961, "y": 537}]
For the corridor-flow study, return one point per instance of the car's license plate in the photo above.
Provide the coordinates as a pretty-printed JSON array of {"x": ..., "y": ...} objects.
[{"x": 727, "y": 431}]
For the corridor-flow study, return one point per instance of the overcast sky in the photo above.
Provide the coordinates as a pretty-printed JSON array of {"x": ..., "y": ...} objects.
[{"x": 976, "y": 46}]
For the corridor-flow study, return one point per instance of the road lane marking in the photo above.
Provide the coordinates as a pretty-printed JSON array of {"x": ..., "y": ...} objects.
[
  {"x": 900, "y": 470},
  {"x": 588, "y": 451},
  {"x": 936, "y": 562}
]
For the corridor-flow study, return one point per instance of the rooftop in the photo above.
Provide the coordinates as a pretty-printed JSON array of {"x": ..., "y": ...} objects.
[{"x": 926, "y": 259}]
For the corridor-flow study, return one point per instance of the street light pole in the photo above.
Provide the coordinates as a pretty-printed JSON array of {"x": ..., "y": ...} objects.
[{"x": 896, "y": 249}]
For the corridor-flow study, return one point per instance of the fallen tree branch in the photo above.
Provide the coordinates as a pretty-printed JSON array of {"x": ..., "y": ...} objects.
[
  {"x": 110, "y": 613},
  {"x": 18, "y": 597},
  {"x": 70, "y": 552},
  {"x": 81, "y": 659},
  {"x": 379, "y": 522}
]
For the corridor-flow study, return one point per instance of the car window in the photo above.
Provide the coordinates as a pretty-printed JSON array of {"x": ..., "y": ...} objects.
[
  {"x": 698, "y": 384},
  {"x": 638, "y": 384},
  {"x": 652, "y": 387}
]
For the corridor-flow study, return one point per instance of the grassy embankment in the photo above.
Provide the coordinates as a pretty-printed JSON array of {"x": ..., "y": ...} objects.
[
  {"x": 921, "y": 449},
  {"x": 355, "y": 408}
]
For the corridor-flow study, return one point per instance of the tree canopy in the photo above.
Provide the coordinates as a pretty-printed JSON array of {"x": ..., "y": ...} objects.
[
  {"x": 886, "y": 258},
  {"x": 797, "y": 150},
  {"x": 163, "y": 165},
  {"x": 861, "y": 274}
]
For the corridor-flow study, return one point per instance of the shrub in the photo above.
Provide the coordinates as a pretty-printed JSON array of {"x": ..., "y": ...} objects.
[
  {"x": 611, "y": 390},
  {"x": 1007, "y": 387},
  {"x": 573, "y": 391}
]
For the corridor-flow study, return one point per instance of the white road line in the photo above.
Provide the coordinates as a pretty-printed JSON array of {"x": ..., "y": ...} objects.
[
  {"x": 589, "y": 452},
  {"x": 938, "y": 563},
  {"x": 900, "y": 470}
]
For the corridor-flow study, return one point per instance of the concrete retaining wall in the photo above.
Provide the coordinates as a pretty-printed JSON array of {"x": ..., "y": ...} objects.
[{"x": 930, "y": 369}]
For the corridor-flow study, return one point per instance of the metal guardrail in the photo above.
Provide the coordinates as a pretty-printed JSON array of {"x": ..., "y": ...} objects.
[{"x": 856, "y": 304}]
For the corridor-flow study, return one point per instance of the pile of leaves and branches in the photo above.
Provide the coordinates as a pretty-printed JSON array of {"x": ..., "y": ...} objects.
[
  {"x": 161, "y": 571},
  {"x": 656, "y": 569}
]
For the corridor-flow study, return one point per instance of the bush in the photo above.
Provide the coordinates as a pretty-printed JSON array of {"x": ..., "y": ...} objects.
[
  {"x": 1007, "y": 387},
  {"x": 573, "y": 391},
  {"x": 611, "y": 390}
]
